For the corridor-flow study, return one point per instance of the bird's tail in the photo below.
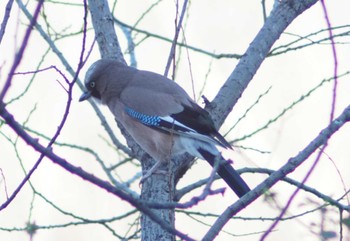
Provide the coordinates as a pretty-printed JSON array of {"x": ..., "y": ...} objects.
[{"x": 228, "y": 173}]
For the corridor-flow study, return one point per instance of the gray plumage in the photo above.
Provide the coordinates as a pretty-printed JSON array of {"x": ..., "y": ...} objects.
[{"x": 159, "y": 115}]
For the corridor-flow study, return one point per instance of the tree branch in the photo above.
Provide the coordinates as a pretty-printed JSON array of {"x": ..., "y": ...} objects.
[
  {"x": 5, "y": 19},
  {"x": 119, "y": 192},
  {"x": 289, "y": 167},
  {"x": 104, "y": 30},
  {"x": 280, "y": 18},
  {"x": 21, "y": 50}
]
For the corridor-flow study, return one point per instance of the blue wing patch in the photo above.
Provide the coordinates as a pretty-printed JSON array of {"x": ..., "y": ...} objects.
[
  {"x": 169, "y": 125},
  {"x": 149, "y": 120},
  {"x": 165, "y": 123}
]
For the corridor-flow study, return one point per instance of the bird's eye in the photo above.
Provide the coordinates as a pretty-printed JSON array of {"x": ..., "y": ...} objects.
[{"x": 92, "y": 84}]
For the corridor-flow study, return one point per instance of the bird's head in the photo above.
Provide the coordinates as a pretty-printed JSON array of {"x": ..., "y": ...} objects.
[
  {"x": 93, "y": 81},
  {"x": 106, "y": 78}
]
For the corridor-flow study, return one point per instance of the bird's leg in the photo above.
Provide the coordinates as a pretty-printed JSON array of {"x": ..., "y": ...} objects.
[
  {"x": 165, "y": 158},
  {"x": 151, "y": 171}
]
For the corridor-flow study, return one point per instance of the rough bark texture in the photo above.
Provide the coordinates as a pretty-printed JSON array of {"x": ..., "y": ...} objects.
[
  {"x": 104, "y": 30},
  {"x": 158, "y": 188}
]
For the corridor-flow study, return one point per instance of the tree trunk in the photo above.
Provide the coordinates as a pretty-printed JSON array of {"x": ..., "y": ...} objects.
[{"x": 158, "y": 188}]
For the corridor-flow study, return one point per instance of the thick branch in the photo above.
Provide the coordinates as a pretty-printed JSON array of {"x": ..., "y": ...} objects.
[
  {"x": 106, "y": 37},
  {"x": 276, "y": 23}
]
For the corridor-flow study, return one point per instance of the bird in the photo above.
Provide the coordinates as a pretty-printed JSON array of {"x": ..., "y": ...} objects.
[{"x": 160, "y": 116}]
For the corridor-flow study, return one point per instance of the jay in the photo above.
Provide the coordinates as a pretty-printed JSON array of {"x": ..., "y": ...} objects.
[{"x": 160, "y": 116}]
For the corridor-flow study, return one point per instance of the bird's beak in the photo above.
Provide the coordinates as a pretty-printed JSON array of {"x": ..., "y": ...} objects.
[{"x": 86, "y": 95}]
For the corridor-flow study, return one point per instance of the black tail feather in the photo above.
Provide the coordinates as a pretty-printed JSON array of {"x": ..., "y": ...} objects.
[{"x": 228, "y": 173}]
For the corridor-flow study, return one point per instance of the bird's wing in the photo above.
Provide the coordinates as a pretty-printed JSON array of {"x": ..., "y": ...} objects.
[
  {"x": 154, "y": 94},
  {"x": 160, "y": 103}
]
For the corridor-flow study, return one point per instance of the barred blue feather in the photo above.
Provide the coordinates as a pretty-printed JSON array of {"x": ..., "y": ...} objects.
[
  {"x": 149, "y": 120},
  {"x": 170, "y": 125},
  {"x": 162, "y": 122}
]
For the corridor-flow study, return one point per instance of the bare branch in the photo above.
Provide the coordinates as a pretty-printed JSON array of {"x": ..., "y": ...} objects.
[
  {"x": 289, "y": 167},
  {"x": 104, "y": 30},
  {"x": 177, "y": 32},
  {"x": 281, "y": 16},
  {"x": 84, "y": 175},
  {"x": 5, "y": 19},
  {"x": 21, "y": 50},
  {"x": 80, "y": 84}
]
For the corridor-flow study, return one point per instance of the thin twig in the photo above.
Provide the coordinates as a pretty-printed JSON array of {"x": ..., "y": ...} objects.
[
  {"x": 5, "y": 19},
  {"x": 177, "y": 31},
  {"x": 278, "y": 175},
  {"x": 21, "y": 50}
]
